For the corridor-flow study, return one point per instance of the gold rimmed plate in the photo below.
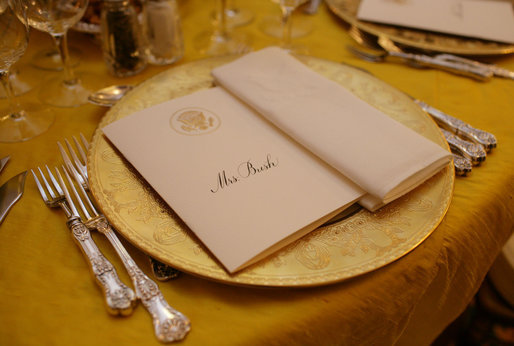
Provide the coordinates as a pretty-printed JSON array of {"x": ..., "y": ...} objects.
[
  {"x": 418, "y": 39},
  {"x": 345, "y": 248}
]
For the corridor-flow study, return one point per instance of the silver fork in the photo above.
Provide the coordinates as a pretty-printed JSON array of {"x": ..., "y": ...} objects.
[
  {"x": 169, "y": 324},
  {"x": 119, "y": 298},
  {"x": 160, "y": 270}
]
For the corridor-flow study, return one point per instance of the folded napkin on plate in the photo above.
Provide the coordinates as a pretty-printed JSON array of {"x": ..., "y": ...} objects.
[{"x": 382, "y": 156}]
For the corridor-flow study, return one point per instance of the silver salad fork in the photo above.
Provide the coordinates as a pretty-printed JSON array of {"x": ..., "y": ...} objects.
[{"x": 119, "y": 298}]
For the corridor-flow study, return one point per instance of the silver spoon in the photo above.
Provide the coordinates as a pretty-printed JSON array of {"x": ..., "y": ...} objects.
[{"x": 108, "y": 96}]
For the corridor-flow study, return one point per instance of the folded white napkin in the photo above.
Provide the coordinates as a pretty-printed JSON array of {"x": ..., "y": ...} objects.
[{"x": 382, "y": 156}]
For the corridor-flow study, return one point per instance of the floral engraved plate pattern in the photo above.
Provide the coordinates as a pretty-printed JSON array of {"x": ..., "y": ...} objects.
[
  {"x": 425, "y": 40},
  {"x": 345, "y": 248}
]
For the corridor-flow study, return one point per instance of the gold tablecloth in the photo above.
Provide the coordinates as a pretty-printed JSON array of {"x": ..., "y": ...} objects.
[{"x": 49, "y": 298}]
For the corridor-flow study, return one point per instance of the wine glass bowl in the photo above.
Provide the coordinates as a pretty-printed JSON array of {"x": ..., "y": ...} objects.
[
  {"x": 56, "y": 17},
  {"x": 284, "y": 28},
  {"x": 16, "y": 123}
]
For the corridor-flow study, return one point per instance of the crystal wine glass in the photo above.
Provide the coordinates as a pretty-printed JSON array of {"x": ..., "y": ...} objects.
[
  {"x": 221, "y": 41},
  {"x": 283, "y": 28},
  {"x": 16, "y": 123},
  {"x": 287, "y": 8},
  {"x": 56, "y": 17}
]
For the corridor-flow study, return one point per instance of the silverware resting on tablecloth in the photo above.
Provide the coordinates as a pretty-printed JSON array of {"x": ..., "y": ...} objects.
[
  {"x": 169, "y": 324},
  {"x": 119, "y": 298},
  {"x": 10, "y": 192},
  {"x": 68, "y": 193},
  {"x": 382, "y": 47},
  {"x": 108, "y": 96},
  {"x": 3, "y": 162}
]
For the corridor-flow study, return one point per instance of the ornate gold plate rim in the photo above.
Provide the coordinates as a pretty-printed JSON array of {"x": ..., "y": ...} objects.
[
  {"x": 347, "y": 248},
  {"x": 419, "y": 39}
]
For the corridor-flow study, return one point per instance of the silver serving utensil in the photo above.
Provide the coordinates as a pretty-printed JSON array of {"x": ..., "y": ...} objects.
[
  {"x": 10, "y": 193},
  {"x": 3, "y": 162},
  {"x": 108, "y": 96}
]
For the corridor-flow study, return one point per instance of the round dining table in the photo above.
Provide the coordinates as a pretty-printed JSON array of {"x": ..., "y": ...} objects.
[{"x": 49, "y": 297}]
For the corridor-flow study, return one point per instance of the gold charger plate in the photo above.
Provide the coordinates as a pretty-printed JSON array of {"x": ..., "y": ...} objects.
[
  {"x": 346, "y": 248},
  {"x": 425, "y": 40}
]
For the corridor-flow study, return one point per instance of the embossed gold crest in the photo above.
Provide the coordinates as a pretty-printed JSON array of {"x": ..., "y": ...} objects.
[{"x": 194, "y": 121}]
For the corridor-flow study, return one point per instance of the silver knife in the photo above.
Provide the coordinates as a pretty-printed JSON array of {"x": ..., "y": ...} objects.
[
  {"x": 3, "y": 162},
  {"x": 10, "y": 193}
]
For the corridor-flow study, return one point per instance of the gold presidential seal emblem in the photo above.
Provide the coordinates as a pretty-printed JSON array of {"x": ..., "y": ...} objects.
[{"x": 194, "y": 121}]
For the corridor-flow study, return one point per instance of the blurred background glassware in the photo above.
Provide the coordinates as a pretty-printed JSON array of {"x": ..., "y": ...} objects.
[
  {"x": 236, "y": 16},
  {"x": 122, "y": 38},
  {"x": 16, "y": 123},
  {"x": 221, "y": 40},
  {"x": 20, "y": 85},
  {"x": 50, "y": 60},
  {"x": 274, "y": 25},
  {"x": 287, "y": 7},
  {"x": 55, "y": 18},
  {"x": 162, "y": 31}
]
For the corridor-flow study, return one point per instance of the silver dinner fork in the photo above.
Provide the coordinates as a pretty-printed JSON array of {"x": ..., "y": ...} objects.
[
  {"x": 169, "y": 324},
  {"x": 119, "y": 298},
  {"x": 160, "y": 270}
]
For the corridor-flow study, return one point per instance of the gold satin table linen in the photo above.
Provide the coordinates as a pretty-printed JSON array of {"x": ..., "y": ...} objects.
[{"x": 49, "y": 297}]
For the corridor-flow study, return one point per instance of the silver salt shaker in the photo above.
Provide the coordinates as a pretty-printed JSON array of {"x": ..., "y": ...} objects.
[{"x": 162, "y": 31}]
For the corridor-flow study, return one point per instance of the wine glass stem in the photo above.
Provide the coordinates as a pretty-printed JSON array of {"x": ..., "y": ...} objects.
[
  {"x": 287, "y": 24},
  {"x": 61, "y": 41},
  {"x": 14, "y": 106},
  {"x": 222, "y": 18}
]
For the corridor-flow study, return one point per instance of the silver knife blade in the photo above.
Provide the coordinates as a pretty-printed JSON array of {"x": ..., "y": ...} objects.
[
  {"x": 10, "y": 193},
  {"x": 3, "y": 162}
]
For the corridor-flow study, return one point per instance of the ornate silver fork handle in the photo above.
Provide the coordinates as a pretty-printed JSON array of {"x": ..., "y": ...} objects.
[
  {"x": 169, "y": 324},
  {"x": 119, "y": 298},
  {"x": 459, "y": 127}
]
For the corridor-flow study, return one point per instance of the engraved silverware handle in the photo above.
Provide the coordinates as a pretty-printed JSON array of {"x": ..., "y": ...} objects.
[
  {"x": 473, "y": 151},
  {"x": 462, "y": 165},
  {"x": 477, "y": 72},
  {"x": 169, "y": 324},
  {"x": 119, "y": 298},
  {"x": 459, "y": 127},
  {"x": 497, "y": 71}
]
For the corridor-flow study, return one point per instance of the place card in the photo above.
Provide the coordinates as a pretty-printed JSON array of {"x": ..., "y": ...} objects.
[{"x": 489, "y": 20}]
